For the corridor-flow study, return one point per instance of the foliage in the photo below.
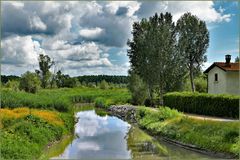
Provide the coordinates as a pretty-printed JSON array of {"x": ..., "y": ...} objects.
[
  {"x": 29, "y": 82},
  {"x": 137, "y": 88},
  {"x": 13, "y": 84},
  {"x": 153, "y": 55},
  {"x": 103, "y": 85},
  {"x": 62, "y": 99},
  {"x": 213, "y": 135},
  {"x": 204, "y": 104},
  {"x": 98, "y": 78},
  {"x": 5, "y": 79},
  {"x": 66, "y": 81},
  {"x": 193, "y": 41},
  {"x": 45, "y": 63},
  {"x": 200, "y": 84},
  {"x": 237, "y": 59},
  {"x": 25, "y": 135},
  {"x": 39, "y": 100}
]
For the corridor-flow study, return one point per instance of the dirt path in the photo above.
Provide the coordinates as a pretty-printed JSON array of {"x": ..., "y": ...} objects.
[{"x": 203, "y": 117}]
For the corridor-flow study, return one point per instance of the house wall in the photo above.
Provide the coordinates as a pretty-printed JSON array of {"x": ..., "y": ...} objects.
[
  {"x": 232, "y": 83},
  {"x": 218, "y": 87}
]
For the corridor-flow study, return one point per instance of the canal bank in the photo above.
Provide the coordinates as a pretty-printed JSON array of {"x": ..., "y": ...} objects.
[{"x": 173, "y": 128}]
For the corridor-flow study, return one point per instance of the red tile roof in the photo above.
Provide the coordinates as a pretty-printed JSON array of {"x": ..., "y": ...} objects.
[{"x": 224, "y": 66}]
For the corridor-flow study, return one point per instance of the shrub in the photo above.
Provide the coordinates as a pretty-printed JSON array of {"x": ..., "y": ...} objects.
[
  {"x": 29, "y": 82},
  {"x": 203, "y": 103},
  {"x": 12, "y": 84},
  {"x": 138, "y": 89},
  {"x": 104, "y": 85}
]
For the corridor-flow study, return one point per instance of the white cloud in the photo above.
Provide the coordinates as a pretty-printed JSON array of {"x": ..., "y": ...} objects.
[
  {"x": 79, "y": 35},
  {"x": 203, "y": 9},
  {"x": 19, "y": 50},
  {"x": 36, "y": 23},
  {"x": 91, "y": 32}
]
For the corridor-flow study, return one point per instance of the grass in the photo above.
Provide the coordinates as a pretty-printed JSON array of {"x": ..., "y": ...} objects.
[
  {"x": 25, "y": 132},
  {"x": 62, "y": 99},
  {"x": 212, "y": 135}
]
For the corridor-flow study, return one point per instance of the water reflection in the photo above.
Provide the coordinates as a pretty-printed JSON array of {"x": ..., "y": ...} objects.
[
  {"x": 98, "y": 138},
  {"x": 107, "y": 137}
]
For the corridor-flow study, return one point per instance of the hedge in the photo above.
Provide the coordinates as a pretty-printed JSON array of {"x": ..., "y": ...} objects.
[{"x": 204, "y": 104}]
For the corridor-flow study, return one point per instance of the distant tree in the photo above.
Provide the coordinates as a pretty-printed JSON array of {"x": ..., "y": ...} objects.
[
  {"x": 59, "y": 79},
  {"x": 29, "y": 82},
  {"x": 138, "y": 89},
  {"x": 45, "y": 63},
  {"x": 5, "y": 79},
  {"x": 193, "y": 41},
  {"x": 103, "y": 85},
  {"x": 237, "y": 59}
]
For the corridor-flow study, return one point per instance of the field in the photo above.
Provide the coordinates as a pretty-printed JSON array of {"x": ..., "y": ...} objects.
[{"x": 64, "y": 98}]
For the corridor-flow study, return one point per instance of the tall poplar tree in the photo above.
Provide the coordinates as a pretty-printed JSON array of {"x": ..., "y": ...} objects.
[{"x": 193, "y": 41}]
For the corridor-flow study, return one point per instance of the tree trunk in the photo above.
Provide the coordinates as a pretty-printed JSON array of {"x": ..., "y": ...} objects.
[
  {"x": 150, "y": 94},
  {"x": 192, "y": 79},
  {"x": 161, "y": 97}
]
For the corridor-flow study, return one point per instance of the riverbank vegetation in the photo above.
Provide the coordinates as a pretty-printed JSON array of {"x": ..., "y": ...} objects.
[
  {"x": 63, "y": 99},
  {"x": 26, "y": 132},
  {"x": 216, "y": 136}
]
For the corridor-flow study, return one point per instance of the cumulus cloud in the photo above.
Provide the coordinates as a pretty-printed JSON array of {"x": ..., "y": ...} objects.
[
  {"x": 203, "y": 9},
  {"x": 91, "y": 33},
  {"x": 19, "y": 50},
  {"x": 79, "y": 35}
]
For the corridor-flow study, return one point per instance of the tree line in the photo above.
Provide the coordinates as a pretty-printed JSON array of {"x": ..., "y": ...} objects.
[
  {"x": 44, "y": 78},
  {"x": 163, "y": 54}
]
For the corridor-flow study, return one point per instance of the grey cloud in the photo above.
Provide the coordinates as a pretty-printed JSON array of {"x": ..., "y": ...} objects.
[{"x": 122, "y": 11}]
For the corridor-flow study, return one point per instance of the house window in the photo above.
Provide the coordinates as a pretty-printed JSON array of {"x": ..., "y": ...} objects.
[{"x": 216, "y": 77}]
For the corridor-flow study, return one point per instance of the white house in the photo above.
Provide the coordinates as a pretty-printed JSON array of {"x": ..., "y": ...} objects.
[{"x": 223, "y": 77}]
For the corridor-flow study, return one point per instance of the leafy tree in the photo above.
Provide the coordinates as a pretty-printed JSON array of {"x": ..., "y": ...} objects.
[
  {"x": 200, "y": 83},
  {"x": 237, "y": 59},
  {"x": 59, "y": 79},
  {"x": 153, "y": 55},
  {"x": 29, "y": 82},
  {"x": 104, "y": 85},
  {"x": 137, "y": 88},
  {"x": 45, "y": 63},
  {"x": 193, "y": 41}
]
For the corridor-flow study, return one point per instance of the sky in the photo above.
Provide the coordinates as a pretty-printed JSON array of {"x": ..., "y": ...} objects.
[{"x": 90, "y": 38}]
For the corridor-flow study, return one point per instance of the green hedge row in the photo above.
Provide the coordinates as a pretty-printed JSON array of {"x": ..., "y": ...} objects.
[{"x": 203, "y": 103}]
